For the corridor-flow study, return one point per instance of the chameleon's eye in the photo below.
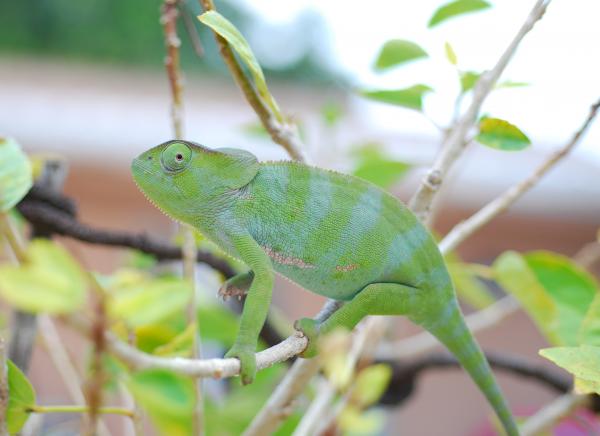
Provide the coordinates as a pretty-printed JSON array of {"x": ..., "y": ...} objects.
[{"x": 176, "y": 156}]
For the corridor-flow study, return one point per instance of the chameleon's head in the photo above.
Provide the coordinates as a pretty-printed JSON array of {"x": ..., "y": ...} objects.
[{"x": 173, "y": 173}]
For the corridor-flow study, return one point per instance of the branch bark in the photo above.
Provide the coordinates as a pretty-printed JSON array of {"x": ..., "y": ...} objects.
[
  {"x": 500, "y": 204},
  {"x": 455, "y": 142}
]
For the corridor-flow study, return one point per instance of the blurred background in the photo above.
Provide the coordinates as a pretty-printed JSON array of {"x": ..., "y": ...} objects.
[{"x": 85, "y": 80}]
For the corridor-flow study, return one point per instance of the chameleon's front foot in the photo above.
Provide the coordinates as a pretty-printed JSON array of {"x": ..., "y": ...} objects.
[
  {"x": 309, "y": 328},
  {"x": 236, "y": 286},
  {"x": 247, "y": 357}
]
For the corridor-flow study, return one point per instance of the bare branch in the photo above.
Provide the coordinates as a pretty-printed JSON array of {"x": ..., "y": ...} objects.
[
  {"x": 455, "y": 142},
  {"x": 546, "y": 417},
  {"x": 500, "y": 204},
  {"x": 282, "y": 132}
]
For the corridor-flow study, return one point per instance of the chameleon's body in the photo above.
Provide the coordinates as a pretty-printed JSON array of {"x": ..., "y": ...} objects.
[{"x": 333, "y": 234}]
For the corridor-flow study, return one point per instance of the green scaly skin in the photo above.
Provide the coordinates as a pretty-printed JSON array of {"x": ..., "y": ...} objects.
[{"x": 333, "y": 234}]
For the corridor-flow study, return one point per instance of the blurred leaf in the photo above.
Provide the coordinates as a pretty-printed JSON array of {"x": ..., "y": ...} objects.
[
  {"x": 455, "y": 8},
  {"x": 501, "y": 135},
  {"x": 255, "y": 130},
  {"x": 370, "y": 385},
  {"x": 373, "y": 166},
  {"x": 450, "y": 54},
  {"x": 571, "y": 288},
  {"x": 514, "y": 275},
  {"x": 583, "y": 362},
  {"x": 411, "y": 98},
  {"x": 396, "y": 52},
  {"x": 21, "y": 398},
  {"x": 468, "y": 79},
  {"x": 180, "y": 346},
  {"x": 218, "y": 324},
  {"x": 151, "y": 336},
  {"x": 140, "y": 260},
  {"x": 589, "y": 332},
  {"x": 584, "y": 387},
  {"x": 15, "y": 174},
  {"x": 150, "y": 301},
  {"x": 51, "y": 281},
  {"x": 331, "y": 113},
  {"x": 356, "y": 422},
  {"x": 468, "y": 287},
  {"x": 236, "y": 40},
  {"x": 333, "y": 348},
  {"x": 167, "y": 398},
  {"x": 511, "y": 84}
]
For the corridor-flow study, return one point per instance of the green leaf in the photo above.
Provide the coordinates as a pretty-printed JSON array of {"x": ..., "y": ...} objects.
[
  {"x": 167, "y": 398},
  {"x": 450, "y": 54},
  {"x": 150, "y": 301},
  {"x": 15, "y": 174},
  {"x": 411, "y": 98},
  {"x": 468, "y": 79},
  {"x": 331, "y": 113},
  {"x": 583, "y": 362},
  {"x": 222, "y": 26},
  {"x": 571, "y": 288},
  {"x": 373, "y": 166},
  {"x": 21, "y": 398},
  {"x": 354, "y": 421},
  {"x": 396, "y": 52},
  {"x": 456, "y": 8},
  {"x": 51, "y": 281},
  {"x": 511, "y": 84},
  {"x": 589, "y": 332},
  {"x": 370, "y": 384},
  {"x": 218, "y": 324},
  {"x": 501, "y": 135},
  {"x": 514, "y": 275},
  {"x": 468, "y": 287}
]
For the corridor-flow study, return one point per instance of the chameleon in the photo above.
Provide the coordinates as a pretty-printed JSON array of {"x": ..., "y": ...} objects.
[{"x": 333, "y": 234}]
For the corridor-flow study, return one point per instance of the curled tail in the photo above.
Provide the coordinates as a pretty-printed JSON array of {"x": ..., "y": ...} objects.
[{"x": 448, "y": 325}]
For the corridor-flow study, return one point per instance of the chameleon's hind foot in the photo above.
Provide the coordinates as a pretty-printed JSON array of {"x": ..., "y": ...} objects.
[
  {"x": 236, "y": 286},
  {"x": 309, "y": 328}
]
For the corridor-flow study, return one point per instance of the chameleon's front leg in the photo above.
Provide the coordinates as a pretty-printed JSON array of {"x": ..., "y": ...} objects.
[{"x": 256, "y": 305}]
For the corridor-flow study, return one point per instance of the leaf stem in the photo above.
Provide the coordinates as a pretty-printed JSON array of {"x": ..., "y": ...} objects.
[
  {"x": 12, "y": 237},
  {"x": 75, "y": 408}
]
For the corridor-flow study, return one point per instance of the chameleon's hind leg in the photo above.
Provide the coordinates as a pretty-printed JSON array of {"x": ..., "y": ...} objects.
[
  {"x": 236, "y": 286},
  {"x": 374, "y": 299}
]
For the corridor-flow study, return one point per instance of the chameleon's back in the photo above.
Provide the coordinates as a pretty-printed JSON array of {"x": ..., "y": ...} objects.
[{"x": 334, "y": 234}]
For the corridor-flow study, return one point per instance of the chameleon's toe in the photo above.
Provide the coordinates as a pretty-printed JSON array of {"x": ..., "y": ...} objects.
[
  {"x": 230, "y": 290},
  {"x": 309, "y": 328},
  {"x": 247, "y": 360}
]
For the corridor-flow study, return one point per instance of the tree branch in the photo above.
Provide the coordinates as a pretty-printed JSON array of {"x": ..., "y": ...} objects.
[
  {"x": 282, "y": 132},
  {"x": 455, "y": 142},
  {"x": 500, "y": 204},
  {"x": 546, "y": 417}
]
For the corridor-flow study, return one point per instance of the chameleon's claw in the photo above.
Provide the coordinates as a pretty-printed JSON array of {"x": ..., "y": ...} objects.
[
  {"x": 236, "y": 286},
  {"x": 247, "y": 360},
  {"x": 309, "y": 328}
]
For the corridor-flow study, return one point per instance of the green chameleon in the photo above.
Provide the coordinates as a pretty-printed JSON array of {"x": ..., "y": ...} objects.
[{"x": 331, "y": 233}]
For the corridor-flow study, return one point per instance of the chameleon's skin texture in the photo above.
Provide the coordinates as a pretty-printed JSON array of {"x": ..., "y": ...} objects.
[{"x": 333, "y": 234}]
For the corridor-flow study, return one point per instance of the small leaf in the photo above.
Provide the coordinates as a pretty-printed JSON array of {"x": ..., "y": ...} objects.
[
  {"x": 180, "y": 346},
  {"x": 137, "y": 303},
  {"x": 370, "y": 384},
  {"x": 396, "y": 52},
  {"x": 450, "y": 54},
  {"x": 455, "y": 8},
  {"x": 167, "y": 398},
  {"x": 331, "y": 113},
  {"x": 571, "y": 288},
  {"x": 222, "y": 26},
  {"x": 589, "y": 332},
  {"x": 501, "y": 135},
  {"x": 583, "y": 362},
  {"x": 468, "y": 287},
  {"x": 373, "y": 166},
  {"x": 51, "y": 281},
  {"x": 514, "y": 275},
  {"x": 354, "y": 421},
  {"x": 15, "y": 174},
  {"x": 511, "y": 84},
  {"x": 468, "y": 79},
  {"x": 21, "y": 398},
  {"x": 411, "y": 98}
]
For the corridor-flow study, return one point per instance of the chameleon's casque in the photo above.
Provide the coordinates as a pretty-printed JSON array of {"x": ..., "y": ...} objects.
[{"x": 333, "y": 234}]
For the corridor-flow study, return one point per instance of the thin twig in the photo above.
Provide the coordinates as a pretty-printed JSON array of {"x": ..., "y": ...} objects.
[
  {"x": 588, "y": 255},
  {"x": 424, "y": 341},
  {"x": 465, "y": 229},
  {"x": 282, "y": 132},
  {"x": 3, "y": 389},
  {"x": 551, "y": 413},
  {"x": 455, "y": 142}
]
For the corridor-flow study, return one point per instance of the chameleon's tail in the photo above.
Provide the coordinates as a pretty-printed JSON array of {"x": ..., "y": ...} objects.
[{"x": 450, "y": 328}]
